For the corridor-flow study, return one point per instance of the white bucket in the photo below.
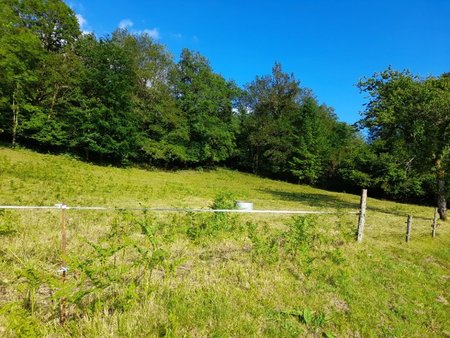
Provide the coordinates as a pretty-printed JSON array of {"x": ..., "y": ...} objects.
[{"x": 244, "y": 205}]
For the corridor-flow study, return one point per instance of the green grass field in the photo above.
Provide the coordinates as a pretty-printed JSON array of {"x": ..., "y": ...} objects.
[{"x": 142, "y": 274}]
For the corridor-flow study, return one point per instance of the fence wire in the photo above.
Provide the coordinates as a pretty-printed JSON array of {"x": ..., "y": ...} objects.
[{"x": 242, "y": 211}]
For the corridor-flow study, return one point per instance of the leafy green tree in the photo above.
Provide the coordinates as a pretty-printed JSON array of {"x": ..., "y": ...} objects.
[
  {"x": 36, "y": 39},
  {"x": 314, "y": 143},
  {"x": 408, "y": 119},
  {"x": 102, "y": 125},
  {"x": 269, "y": 110},
  {"x": 51, "y": 20},
  {"x": 58, "y": 90},
  {"x": 21, "y": 56},
  {"x": 206, "y": 100},
  {"x": 353, "y": 163},
  {"x": 164, "y": 133},
  {"x": 286, "y": 134}
]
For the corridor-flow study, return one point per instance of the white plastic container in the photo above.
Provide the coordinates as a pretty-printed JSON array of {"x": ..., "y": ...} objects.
[{"x": 244, "y": 205}]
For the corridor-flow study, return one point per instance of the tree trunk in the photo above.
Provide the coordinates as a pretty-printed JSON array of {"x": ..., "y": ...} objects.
[
  {"x": 255, "y": 164},
  {"x": 15, "y": 120},
  {"x": 441, "y": 196},
  {"x": 52, "y": 104}
]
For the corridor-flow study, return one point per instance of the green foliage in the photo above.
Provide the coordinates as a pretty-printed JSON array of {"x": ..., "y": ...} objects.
[
  {"x": 163, "y": 129},
  {"x": 151, "y": 254},
  {"x": 265, "y": 244},
  {"x": 300, "y": 236},
  {"x": 269, "y": 106},
  {"x": 102, "y": 270},
  {"x": 210, "y": 225},
  {"x": 285, "y": 133},
  {"x": 224, "y": 200},
  {"x": 205, "y": 98},
  {"x": 52, "y": 21},
  {"x": 8, "y": 223},
  {"x": 407, "y": 118},
  {"x": 20, "y": 322},
  {"x": 124, "y": 100},
  {"x": 102, "y": 125},
  {"x": 309, "y": 317},
  {"x": 21, "y": 56},
  {"x": 307, "y": 166},
  {"x": 34, "y": 37},
  {"x": 206, "y": 226},
  {"x": 135, "y": 273}
]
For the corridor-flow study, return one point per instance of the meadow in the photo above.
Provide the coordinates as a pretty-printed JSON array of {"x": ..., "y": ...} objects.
[{"x": 136, "y": 273}]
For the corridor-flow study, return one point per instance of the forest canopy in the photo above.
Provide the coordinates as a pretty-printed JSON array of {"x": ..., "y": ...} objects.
[{"x": 123, "y": 99}]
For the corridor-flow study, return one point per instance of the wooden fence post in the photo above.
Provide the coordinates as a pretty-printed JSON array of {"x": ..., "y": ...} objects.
[
  {"x": 63, "y": 310},
  {"x": 362, "y": 215},
  {"x": 433, "y": 233},
  {"x": 408, "y": 227}
]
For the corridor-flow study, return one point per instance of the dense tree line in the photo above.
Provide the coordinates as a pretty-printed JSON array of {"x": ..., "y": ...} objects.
[
  {"x": 122, "y": 99},
  {"x": 408, "y": 119}
]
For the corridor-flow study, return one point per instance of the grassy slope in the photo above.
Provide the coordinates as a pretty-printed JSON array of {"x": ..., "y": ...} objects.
[{"x": 247, "y": 275}]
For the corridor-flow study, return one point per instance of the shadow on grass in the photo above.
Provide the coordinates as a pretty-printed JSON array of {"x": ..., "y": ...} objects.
[
  {"x": 313, "y": 200},
  {"x": 400, "y": 214},
  {"x": 326, "y": 201}
]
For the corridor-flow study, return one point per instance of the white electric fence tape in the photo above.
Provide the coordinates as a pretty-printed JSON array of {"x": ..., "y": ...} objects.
[{"x": 63, "y": 206}]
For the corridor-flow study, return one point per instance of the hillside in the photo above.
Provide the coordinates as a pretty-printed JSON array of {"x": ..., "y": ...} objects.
[{"x": 134, "y": 273}]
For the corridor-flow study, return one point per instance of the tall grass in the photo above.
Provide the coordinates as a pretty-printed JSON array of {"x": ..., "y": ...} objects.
[{"x": 134, "y": 273}]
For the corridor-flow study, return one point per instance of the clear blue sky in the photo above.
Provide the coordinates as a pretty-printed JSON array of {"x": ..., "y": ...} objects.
[{"x": 328, "y": 45}]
